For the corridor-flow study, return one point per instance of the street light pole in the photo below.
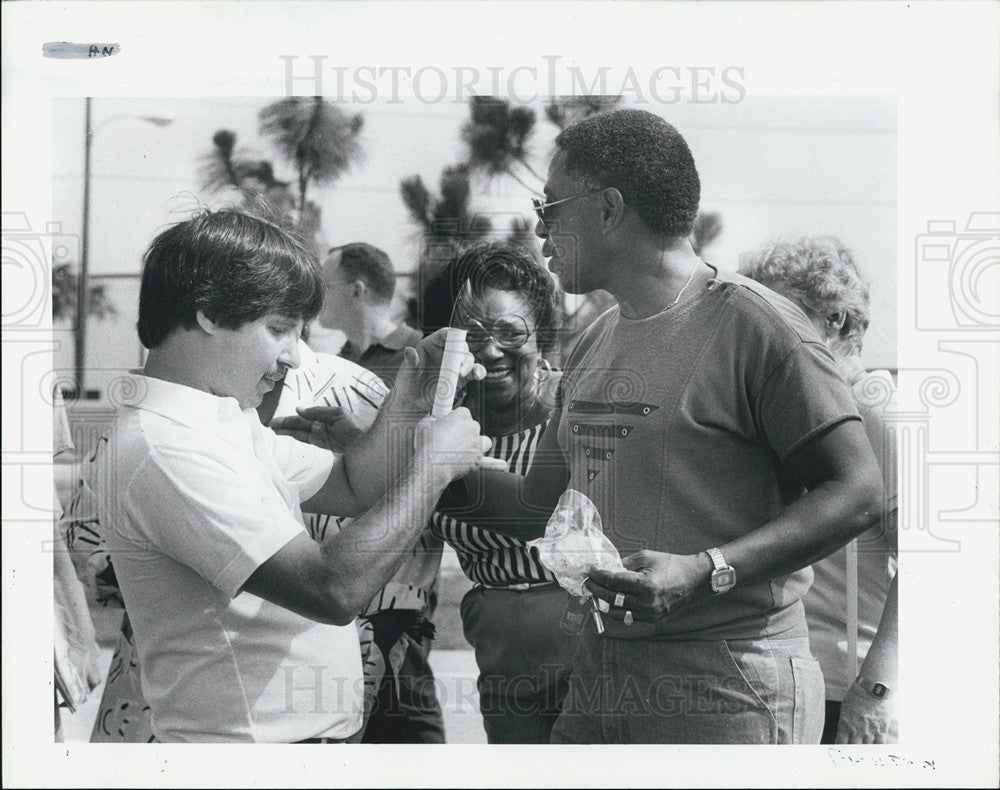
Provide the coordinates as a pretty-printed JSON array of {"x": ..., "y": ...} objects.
[
  {"x": 83, "y": 282},
  {"x": 79, "y": 352}
]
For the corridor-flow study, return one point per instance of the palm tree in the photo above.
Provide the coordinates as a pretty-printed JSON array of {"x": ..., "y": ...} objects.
[
  {"x": 564, "y": 111},
  {"x": 445, "y": 222},
  {"x": 220, "y": 167},
  {"x": 497, "y": 136},
  {"x": 315, "y": 136},
  {"x": 65, "y": 294},
  {"x": 228, "y": 167}
]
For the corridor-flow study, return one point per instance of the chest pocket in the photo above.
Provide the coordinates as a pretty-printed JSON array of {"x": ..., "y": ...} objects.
[{"x": 599, "y": 438}]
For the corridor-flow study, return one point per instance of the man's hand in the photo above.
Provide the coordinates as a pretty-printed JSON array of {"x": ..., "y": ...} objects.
[
  {"x": 451, "y": 446},
  {"x": 329, "y": 427},
  {"x": 654, "y": 583},
  {"x": 864, "y": 719},
  {"x": 417, "y": 379}
]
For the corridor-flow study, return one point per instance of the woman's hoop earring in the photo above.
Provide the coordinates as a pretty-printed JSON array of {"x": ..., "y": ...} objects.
[{"x": 543, "y": 370}]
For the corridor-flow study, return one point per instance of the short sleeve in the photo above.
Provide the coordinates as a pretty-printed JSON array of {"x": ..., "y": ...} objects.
[
  {"x": 220, "y": 521},
  {"x": 326, "y": 381},
  {"x": 305, "y": 466},
  {"x": 333, "y": 381},
  {"x": 801, "y": 397},
  {"x": 875, "y": 394}
]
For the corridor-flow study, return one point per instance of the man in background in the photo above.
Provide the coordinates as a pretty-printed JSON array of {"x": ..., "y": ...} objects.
[{"x": 359, "y": 283}]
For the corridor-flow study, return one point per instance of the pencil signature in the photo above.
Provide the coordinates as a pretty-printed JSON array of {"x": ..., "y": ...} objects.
[{"x": 852, "y": 757}]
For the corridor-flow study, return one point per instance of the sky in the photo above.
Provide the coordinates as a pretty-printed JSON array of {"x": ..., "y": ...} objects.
[{"x": 772, "y": 167}]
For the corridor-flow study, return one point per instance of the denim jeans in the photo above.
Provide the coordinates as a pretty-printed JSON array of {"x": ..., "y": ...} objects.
[{"x": 764, "y": 690}]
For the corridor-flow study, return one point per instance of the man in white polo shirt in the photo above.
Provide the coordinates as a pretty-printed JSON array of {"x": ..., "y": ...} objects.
[{"x": 243, "y": 623}]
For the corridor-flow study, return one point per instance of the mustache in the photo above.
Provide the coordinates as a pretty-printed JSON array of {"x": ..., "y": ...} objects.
[{"x": 278, "y": 375}]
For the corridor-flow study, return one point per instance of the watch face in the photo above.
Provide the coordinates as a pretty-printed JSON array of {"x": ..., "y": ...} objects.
[{"x": 723, "y": 580}]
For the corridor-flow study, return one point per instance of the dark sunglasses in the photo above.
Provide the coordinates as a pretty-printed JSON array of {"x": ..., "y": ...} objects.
[{"x": 541, "y": 206}]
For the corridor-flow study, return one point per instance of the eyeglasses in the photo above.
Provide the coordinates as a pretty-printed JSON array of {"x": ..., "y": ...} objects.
[
  {"x": 508, "y": 333},
  {"x": 541, "y": 206}
]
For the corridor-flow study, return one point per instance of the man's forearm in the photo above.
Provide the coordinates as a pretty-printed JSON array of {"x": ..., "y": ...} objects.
[
  {"x": 812, "y": 527},
  {"x": 367, "y": 552},
  {"x": 378, "y": 457},
  {"x": 498, "y": 501},
  {"x": 508, "y": 503},
  {"x": 880, "y": 663}
]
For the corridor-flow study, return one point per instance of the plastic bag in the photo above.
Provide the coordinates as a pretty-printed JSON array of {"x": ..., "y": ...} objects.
[{"x": 574, "y": 542}]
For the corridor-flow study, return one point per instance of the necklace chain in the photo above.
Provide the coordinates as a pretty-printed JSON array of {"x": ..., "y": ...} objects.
[{"x": 684, "y": 287}]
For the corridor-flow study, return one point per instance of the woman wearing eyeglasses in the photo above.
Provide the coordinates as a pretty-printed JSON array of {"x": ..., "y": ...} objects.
[{"x": 509, "y": 307}]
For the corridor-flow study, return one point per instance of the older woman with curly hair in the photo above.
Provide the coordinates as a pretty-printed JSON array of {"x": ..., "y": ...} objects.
[
  {"x": 851, "y": 607},
  {"x": 509, "y": 307}
]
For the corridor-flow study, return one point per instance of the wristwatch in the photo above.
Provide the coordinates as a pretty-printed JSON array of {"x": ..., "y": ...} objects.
[
  {"x": 724, "y": 575},
  {"x": 873, "y": 687}
]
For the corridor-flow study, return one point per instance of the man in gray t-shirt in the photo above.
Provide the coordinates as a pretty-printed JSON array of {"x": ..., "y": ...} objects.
[{"x": 707, "y": 423}]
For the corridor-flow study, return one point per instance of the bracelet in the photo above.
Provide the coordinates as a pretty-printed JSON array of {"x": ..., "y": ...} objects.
[{"x": 874, "y": 688}]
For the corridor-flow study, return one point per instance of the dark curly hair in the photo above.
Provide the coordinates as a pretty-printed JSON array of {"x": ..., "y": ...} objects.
[
  {"x": 233, "y": 266},
  {"x": 499, "y": 265},
  {"x": 644, "y": 158}
]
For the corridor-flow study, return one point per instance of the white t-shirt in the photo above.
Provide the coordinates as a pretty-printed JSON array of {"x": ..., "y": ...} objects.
[
  {"x": 826, "y": 600},
  {"x": 203, "y": 495}
]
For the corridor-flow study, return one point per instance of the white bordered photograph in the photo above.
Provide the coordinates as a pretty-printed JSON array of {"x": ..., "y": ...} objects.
[{"x": 670, "y": 540}]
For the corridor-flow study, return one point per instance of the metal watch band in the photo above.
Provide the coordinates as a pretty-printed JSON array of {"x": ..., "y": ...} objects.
[
  {"x": 717, "y": 559},
  {"x": 875, "y": 688},
  {"x": 723, "y": 578}
]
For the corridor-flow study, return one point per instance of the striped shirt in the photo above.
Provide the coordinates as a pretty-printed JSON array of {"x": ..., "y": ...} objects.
[{"x": 488, "y": 557}]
